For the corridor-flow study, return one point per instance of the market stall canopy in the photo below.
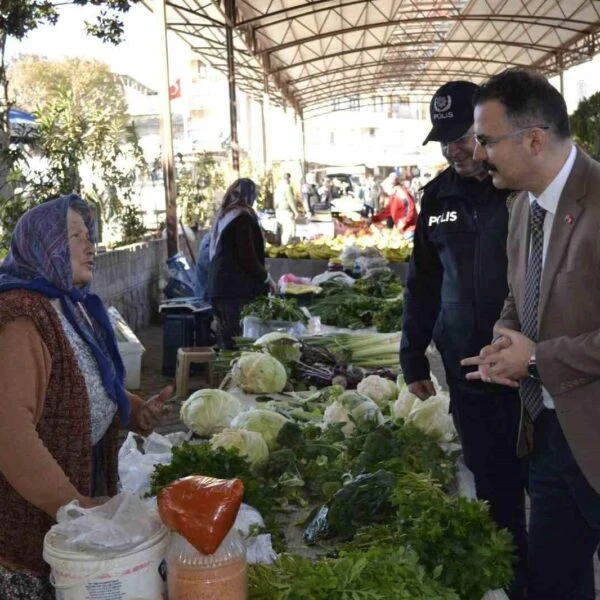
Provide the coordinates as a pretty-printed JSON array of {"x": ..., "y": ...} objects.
[{"x": 315, "y": 52}]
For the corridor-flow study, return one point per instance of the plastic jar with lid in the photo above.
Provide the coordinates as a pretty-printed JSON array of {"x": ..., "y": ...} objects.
[{"x": 192, "y": 575}]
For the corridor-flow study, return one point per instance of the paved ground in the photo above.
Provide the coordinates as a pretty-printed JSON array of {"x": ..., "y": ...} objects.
[{"x": 152, "y": 381}]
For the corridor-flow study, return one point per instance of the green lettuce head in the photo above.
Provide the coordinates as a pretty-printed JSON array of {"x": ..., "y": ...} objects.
[
  {"x": 263, "y": 421},
  {"x": 250, "y": 444},
  {"x": 209, "y": 411},
  {"x": 285, "y": 348},
  {"x": 259, "y": 373}
]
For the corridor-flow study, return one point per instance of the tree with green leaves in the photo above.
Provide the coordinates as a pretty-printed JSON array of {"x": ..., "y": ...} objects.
[
  {"x": 82, "y": 130},
  {"x": 197, "y": 184},
  {"x": 17, "y": 19},
  {"x": 585, "y": 124}
]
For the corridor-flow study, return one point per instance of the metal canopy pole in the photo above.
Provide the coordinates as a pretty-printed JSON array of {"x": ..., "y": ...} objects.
[
  {"x": 303, "y": 131},
  {"x": 166, "y": 132},
  {"x": 264, "y": 110},
  {"x": 235, "y": 149},
  {"x": 561, "y": 70}
]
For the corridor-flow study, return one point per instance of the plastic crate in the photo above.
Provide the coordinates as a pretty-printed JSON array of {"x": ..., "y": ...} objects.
[{"x": 184, "y": 329}]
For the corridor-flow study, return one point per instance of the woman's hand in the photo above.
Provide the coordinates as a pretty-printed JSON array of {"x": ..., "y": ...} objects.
[{"x": 150, "y": 414}]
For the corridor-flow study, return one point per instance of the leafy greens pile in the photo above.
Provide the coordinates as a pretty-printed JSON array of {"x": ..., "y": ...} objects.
[
  {"x": 378, "y": 574},
  {"x": 270, "y": 308},
  {"x": 374, "y": 300}
]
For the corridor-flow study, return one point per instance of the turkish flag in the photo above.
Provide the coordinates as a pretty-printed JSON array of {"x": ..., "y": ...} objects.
[{"x": 175, "y": 90}]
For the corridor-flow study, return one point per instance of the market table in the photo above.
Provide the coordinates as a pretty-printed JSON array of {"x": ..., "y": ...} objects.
[{"x": 309, "y": 267}]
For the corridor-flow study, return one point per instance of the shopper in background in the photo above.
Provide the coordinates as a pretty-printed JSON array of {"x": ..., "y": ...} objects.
[
  {"x": 285, "y": 208},
  {"x": 236, "y": 271},
  {"x": 202, "y": 266},
  {"x": 400, "y": 211},
  {"x": 62, "y": 395},
  {"x": 454, "y": 293}
]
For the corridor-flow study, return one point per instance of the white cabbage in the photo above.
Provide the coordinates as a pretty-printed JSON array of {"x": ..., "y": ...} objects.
[
  {"x": 258, "y": 373},
  {"x": 250, "y": 444},
  {"x": 285, "y": 348},
  {"x": 378, "y": 389},
  {"x": 263, "y": 421},
  {"x": 209, "y": 411}
]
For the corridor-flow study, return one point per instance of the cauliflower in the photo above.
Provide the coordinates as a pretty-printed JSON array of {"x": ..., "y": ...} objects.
[
  {"x": 404, "y": 404},
  {"x": 433, "y": 417},
  {"x": 336, "y": 412},
  {"x": 378, "y": 389}
]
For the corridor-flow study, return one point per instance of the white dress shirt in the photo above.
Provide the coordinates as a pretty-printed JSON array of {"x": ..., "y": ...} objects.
[{"x": 548, "y": 200}]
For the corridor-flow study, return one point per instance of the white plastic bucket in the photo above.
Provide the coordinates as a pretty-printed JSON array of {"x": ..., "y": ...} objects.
[{"x": 136, "y": 575}]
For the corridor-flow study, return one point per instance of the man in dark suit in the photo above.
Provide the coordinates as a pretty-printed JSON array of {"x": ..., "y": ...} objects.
[{"x": 547, "y": 340}]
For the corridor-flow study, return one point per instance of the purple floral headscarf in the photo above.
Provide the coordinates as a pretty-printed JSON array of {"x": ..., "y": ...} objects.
[
  {"x": 40, "y": 243},
  {"x": 39, "y": 260}
]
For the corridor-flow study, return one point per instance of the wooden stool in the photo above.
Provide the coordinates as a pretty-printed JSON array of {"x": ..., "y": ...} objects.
[{"x": 186, "y": 357}]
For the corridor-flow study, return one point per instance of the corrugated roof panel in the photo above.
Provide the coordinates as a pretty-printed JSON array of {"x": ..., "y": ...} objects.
[{"x": 387, "y": 44}]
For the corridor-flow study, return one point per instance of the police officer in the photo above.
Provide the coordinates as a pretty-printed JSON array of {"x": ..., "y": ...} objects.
[{"x": 454, "y": 293}]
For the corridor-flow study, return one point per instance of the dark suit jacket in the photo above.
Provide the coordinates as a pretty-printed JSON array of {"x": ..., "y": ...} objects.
[{"x": 568, "y": 350}]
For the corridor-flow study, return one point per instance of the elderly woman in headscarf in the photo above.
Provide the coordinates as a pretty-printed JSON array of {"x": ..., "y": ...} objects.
[
  {"x": 236, "y": 272},
  {"x": 62, "y": 392}
]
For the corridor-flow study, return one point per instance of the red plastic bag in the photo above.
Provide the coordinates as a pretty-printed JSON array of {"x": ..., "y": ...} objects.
[{"x": 201, "y": 509}]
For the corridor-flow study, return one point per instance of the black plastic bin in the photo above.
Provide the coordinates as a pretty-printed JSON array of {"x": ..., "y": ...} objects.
[{"x": 184, "y": 326}]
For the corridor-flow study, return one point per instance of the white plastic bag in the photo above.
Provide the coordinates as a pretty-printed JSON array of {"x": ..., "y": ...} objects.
[
  {"x": 258, "y": 547},
  {"x": 259, "y": 550},
  {"x": 121, "y": 524},
  {"x": 247, "y": 517},
  {"x": 135, "y": 467}
]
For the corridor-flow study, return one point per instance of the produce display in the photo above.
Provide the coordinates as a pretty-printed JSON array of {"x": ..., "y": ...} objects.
[
  {"x": 390, "y": 242},
  {"x": 332, "y": 435},
  {"x": 377, "y": 489}
]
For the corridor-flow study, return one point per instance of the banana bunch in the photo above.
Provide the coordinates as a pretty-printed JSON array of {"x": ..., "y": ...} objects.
[
  {"x": 273, "y": 251},
  {"x": 389, "y": 242},
  {"x": 322, "y": 251},
  {"x": 399, "y": 254},
  {"x": 297, "y": 250}
]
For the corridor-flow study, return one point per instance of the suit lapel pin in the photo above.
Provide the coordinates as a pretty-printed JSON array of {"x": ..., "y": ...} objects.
[{"x": 569, "y": 220}]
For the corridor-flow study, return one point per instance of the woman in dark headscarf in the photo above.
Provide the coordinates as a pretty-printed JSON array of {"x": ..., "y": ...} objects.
[
  {"x": 62, "y": 393},
  {"x": 236, "y": 272}
]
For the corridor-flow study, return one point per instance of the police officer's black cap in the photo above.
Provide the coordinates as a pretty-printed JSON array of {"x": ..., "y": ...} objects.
[{"x": 451, "y": 111}]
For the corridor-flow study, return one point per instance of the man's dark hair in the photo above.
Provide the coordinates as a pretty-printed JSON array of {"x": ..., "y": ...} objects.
[{"x": 529, "y": 99}]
